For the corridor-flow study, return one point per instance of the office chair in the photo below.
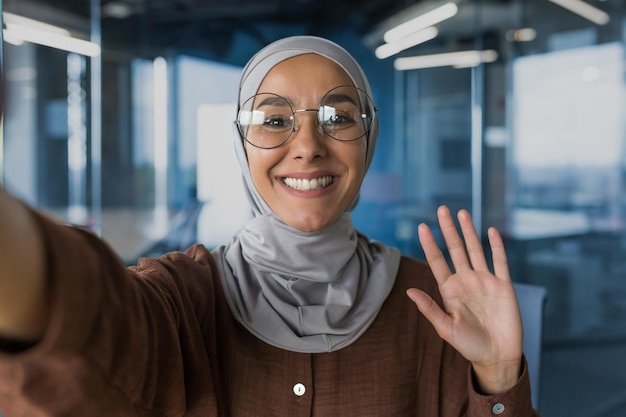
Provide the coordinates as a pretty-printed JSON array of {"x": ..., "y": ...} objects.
[{"x": 531, "y": 299}]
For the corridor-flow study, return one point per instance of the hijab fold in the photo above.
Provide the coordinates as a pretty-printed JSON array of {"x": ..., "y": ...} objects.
[{"x": 303, "y": 291}]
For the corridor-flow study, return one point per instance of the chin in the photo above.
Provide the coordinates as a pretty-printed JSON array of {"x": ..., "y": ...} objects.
[
  {"x": 308, "y": 227},
  {"x": 310, "y": 223}
]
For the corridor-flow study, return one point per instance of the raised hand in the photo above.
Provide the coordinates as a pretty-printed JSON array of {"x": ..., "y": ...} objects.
[{"x": 480, "y": 316}]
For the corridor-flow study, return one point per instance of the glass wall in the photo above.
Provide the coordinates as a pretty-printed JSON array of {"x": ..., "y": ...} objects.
[
  {"x": 437, "y": 149},
  {"x": 47, "y": 141},
  {"x": 549, "y": 173},
  {"x": 565, "y": 204},
  {"x": 116, "y": 180},
  {"x": 47, "y": 146}
]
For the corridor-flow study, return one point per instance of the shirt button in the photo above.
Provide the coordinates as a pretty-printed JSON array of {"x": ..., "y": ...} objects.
[
  {"x": 299, "y": 389},
  {"x": 498, "y": 408}
]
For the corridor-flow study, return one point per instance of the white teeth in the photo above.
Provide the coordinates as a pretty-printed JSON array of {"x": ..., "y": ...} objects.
[{"x": 308, "y": 185}]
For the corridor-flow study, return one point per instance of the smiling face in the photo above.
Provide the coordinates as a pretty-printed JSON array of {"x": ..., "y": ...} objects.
[{"x": 310, "y": 180}]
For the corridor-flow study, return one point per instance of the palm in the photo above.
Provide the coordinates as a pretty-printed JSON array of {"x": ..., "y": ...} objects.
[{"x": 480, "y": 316}]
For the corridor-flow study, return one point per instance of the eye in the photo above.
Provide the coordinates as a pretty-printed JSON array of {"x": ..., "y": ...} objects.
[
  {"x": 277, "y": 121},
  {"x": 336, "y": 118},
  {"x": 268, "y": 112}
]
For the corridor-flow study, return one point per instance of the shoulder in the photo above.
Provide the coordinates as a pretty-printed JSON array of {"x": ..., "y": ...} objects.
[
  {"x": 191, "y": 274},
  {"x": 196, "y": 260},
  {"x": 414, "y": 273}
]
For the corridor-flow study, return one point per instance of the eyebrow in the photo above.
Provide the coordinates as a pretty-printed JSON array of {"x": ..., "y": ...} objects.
[
  {"x": 340, "y": 98},
  {"x": 330, "y": 99},
  {"x": 272, "y": 101}
]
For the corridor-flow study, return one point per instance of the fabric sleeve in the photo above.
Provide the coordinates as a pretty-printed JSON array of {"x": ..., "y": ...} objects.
[
  {"x": 120, "y": 341},
  {"x": 513, "y": 403}
]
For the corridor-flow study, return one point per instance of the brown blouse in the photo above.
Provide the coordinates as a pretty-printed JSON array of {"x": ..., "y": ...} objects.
[{"x": 158, "y": 339}]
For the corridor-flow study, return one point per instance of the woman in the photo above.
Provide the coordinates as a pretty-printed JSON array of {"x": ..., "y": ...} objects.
[{"x": 299, "y": 314}]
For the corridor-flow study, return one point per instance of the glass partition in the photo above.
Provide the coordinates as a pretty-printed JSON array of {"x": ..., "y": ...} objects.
[
  {"x": 47, "y": 132},
  {"x": 88, "y": 134},
  {"x": 549, "y": 173},
  {"x": 565, "y": 197},
  {"x": 437, "y": 149}
]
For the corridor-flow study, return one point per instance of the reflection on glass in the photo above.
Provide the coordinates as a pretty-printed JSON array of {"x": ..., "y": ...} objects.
[
  {"x": 77, "y": 140},
  {"x": 160, "y": 133}
]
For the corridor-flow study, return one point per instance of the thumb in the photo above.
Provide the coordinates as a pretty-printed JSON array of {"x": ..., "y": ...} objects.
[{"x": 431, "y": 310}]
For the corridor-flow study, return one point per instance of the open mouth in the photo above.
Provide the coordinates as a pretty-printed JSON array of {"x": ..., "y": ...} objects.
[{"x": 303, "y": 184}]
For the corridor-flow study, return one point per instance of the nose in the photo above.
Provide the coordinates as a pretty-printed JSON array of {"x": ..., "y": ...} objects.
[{"x": 307, "y": 140}]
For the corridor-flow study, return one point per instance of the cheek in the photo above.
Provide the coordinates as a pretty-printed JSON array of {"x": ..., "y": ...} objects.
[
  {"x": 363, "y": 154},
  {"x": 254, "y": 164},
  {"x": 260, "y": 162},
  {"x": 358, "y": 157}
]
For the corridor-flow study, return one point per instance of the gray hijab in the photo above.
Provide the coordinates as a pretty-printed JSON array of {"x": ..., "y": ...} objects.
[{"x": 303, "y": 291}]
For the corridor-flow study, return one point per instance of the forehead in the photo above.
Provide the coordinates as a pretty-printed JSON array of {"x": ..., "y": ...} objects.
[{"x": 305, "y": 75}]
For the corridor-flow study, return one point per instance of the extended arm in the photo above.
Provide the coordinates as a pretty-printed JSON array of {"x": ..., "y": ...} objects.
[{"x": 23, "y": 299}]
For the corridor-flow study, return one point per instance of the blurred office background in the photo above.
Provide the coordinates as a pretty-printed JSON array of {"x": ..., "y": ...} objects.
[{"x": 120, "y": 116}]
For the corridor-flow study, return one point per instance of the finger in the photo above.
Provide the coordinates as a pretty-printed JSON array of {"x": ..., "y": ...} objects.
[
  {"x": 472, "y": 242},
  {"x": 498, "y": 253},
  {"x": 441, "y": 321},
  {"x": 434, "y": 257},
  {"x": 455, "y": 244}
]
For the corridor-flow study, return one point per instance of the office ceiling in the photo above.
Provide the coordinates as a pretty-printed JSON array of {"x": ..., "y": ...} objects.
[
  {"x": 231, "y": 30},
  {"x": 212, "y": 24},
  {"x": 228, "y": 29},
  {"x": 214, "y": 27}
]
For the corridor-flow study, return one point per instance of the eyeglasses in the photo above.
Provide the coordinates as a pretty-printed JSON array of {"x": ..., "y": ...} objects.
[{"x": 267, "y": 120}]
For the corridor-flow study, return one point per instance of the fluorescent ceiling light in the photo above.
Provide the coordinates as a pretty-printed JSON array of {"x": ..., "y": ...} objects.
[
  {"x": 585, "y": 10},
  {"x": 13, "y": 40},
  {"x": 10, "y": 18},
  {"x": 20, "y": 29},
  {"x": 456, "y": 59},
  {"x": 422, "y": 21},
  {"x": 388, "y": 49}
]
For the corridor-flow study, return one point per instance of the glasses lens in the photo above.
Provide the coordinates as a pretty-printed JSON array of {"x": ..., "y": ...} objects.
[
  {"x": 265, "y": 120},
  {"x": 346, "y": 113}
]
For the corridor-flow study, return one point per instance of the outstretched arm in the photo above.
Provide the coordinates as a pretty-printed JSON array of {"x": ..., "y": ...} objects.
[
  {"x": 480, "y": 316},
  {"x": 23, "y": 301}
]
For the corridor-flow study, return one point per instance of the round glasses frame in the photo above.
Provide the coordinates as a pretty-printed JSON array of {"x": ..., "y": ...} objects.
[{"x": 267, "y": 120}]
